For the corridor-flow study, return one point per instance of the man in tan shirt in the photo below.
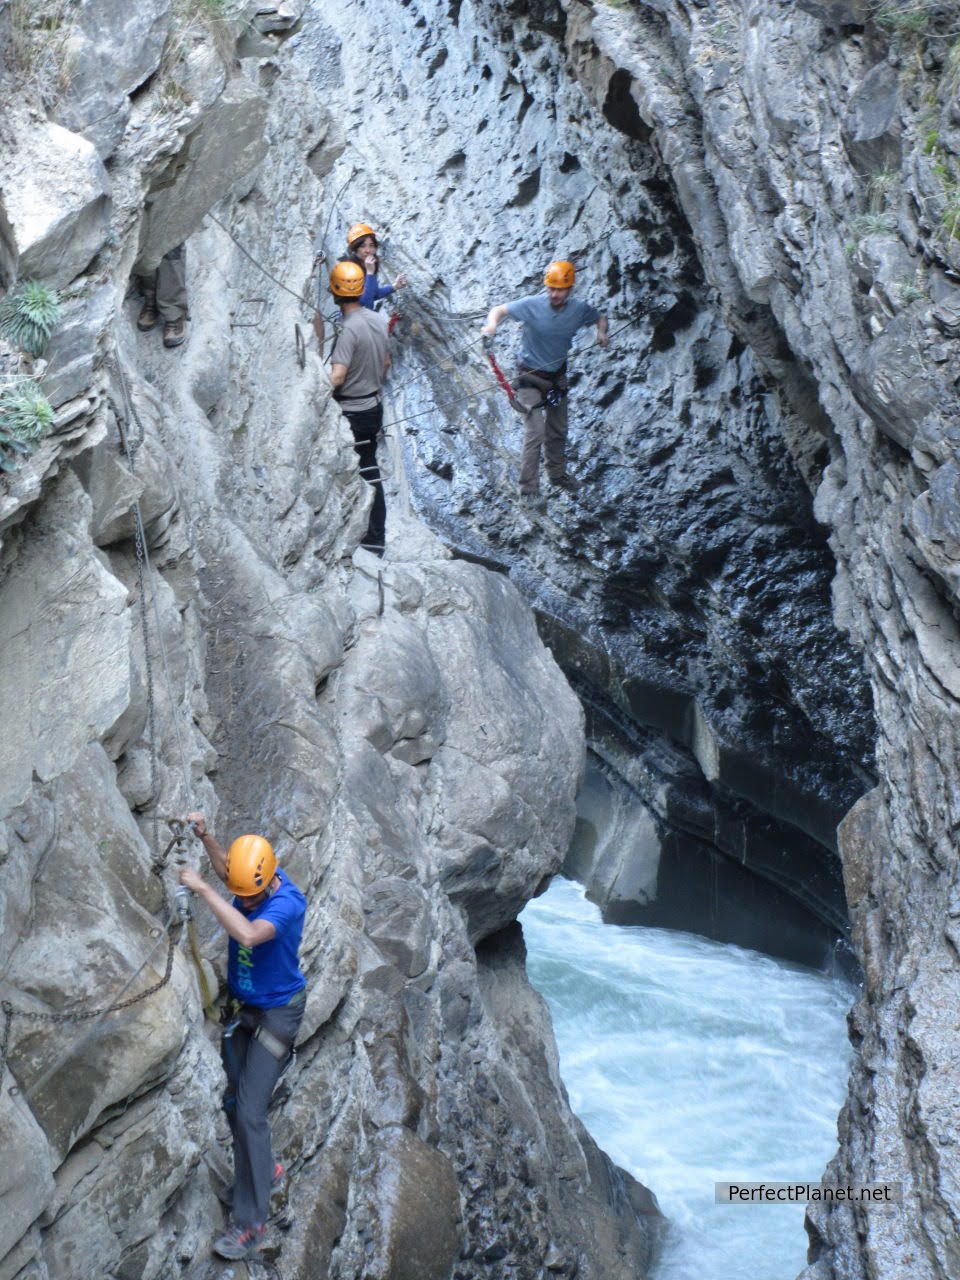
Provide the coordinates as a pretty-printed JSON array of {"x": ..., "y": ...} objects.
[{"x": 358, "y": 368}]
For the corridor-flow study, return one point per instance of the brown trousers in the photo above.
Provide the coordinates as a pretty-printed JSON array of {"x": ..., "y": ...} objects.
[
  {"x": 167, "y": 286},
  {"x": 546, "y": 429}
]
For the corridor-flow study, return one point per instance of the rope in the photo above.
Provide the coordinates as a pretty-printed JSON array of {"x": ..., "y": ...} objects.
[
  {"x": 434, "y": 365},
  {"x": 144, "y": 575},
  {"x": 443, "y": 404},
  {"x": 475, "y": 395},
  {"x": 260, "y": 267}
]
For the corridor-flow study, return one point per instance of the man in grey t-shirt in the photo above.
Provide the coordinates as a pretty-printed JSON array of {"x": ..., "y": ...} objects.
[
  {"x": 550, "y": 320},
  {"x": 358, "y": 368}
]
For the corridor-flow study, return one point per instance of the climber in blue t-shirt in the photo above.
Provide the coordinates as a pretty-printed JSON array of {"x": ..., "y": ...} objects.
[
  {"x": 264, "y": 923},
  {"x": 550, "y": 320}
]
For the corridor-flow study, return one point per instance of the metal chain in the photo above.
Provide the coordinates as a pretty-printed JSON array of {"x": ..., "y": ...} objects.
[
  {"x": 151, "y": 703},
  {"x": 84, "y": 1015},
  {"x": 131, "y": 410}
]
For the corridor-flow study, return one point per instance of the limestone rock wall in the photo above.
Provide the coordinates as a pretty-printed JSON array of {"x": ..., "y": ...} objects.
[
  {"x": 809, "y": 162},
  {"x": 821, "y": 141},
  {"x": 398, "y": 729},
  {"x": 767, "y": 191},
  {"x": 685, "y": 588}
]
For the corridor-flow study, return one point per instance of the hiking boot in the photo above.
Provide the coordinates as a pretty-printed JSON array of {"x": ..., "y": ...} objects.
[
  {"x": 148, "y": 317},
  {"x": 173, "y": 333},
  {"x": 566, "y": 481},
  {"x": 240, "y": 1242}
]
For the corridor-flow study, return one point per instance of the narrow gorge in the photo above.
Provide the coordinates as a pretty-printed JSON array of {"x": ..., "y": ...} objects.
[{"x": 744, "y": 618}]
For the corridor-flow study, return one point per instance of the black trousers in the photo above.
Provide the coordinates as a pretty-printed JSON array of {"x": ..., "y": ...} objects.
[{"x": 366, "y": 426}]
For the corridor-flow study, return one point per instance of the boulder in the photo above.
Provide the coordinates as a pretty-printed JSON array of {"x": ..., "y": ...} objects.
[
  {"x": 275, "y": 15},
  {"x": 94, "y": 940},
  {"x": 895, "y": 388},
  {"x": 934, "y": 523},
  {"x": 227, "y": 143},
  {"x": 27, "y": 1185},
  {"x": 836, "y": 13},
  {"x": 118, "y": 1202},
  {"x": 416, "y": 1233},
  {"x": 113, "y": 47},
  {"x": 57, "y": 204},
  {"x": 398, "y": 920},
  {"x": 872, "y": 126}
]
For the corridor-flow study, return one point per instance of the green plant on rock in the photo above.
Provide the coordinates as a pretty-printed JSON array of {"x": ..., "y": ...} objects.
[
  {"x": 910, "y": 17},
  {"x": 951, "y": 69},
  {"x": 38, "y": 44},
  {"x": 880, "y": 188},
  {"x": 26, "y": 415},
  {"x": 950, "y": 218},
  {"x": 872, "y": 224},
  {"x": 28, "y": 315}
]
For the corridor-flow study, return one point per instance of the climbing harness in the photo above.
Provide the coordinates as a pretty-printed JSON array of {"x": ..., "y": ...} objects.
[
  {"x": 552, "y": 386},
  {"x": 495, "y": 386}
]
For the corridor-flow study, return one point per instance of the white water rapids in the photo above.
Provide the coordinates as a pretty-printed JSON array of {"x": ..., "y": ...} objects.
[{"x": 692, "y": 1062}]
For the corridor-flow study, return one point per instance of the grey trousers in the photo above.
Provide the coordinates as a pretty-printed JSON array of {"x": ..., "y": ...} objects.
[
  {"x": 252, "y": 1073},
  {"x": 546, "y": 429},
  {"x": 167, "y": 286}
]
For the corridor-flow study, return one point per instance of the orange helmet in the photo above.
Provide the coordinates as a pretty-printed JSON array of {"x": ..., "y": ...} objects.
[
  {"x": 560, "y": 275},
  {"x": 358, "y": 231},
  {"x": 251, "y": 865},
  {"x": 347, "y": 280}
]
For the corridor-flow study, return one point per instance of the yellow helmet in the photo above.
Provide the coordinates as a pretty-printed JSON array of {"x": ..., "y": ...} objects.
[
  {"x": 560, "y": 275},
  {"x": 359, "y": 231},
  {"x": 251, "y": 865},
  {"x": 347, "y": 280}
]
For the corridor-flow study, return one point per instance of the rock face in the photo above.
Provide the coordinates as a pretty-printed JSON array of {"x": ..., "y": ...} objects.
[
  {"x": 767, "y": 193},
  {"x": 763, "y": 197},
  {"x": 187, "y": 621},
  {"x": 685, "y": 587}
]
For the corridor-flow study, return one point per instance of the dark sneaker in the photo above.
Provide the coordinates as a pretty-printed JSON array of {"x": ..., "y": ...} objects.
[
  {"x": 239, "y": 1242},
  {"x": 148, "y": 317},
  {"x": 173, "y": 333},
  {"x": 375, "y": 548}
]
